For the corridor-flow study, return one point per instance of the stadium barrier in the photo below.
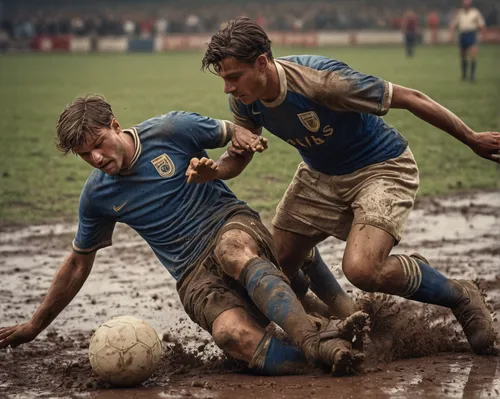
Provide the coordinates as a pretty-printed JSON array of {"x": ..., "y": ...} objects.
[{"x": 67, "y": 43}]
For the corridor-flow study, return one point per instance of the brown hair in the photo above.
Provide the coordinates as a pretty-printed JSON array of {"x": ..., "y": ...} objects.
[
  {"x": 242, "y": 39},
  {"x": 83, "y": 117}
]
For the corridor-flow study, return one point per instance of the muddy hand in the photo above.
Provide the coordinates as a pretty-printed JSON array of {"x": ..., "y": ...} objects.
[
  {"x": 201, "y": 170},
  {"x": 259, "y": 144},
  {"x": 487, "y": 145},
  {"x": 244, "y": 140},
  {"x": 16, "y": 335}
]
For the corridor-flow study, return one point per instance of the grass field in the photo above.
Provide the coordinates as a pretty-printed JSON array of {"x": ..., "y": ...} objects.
[{"x": 38, "y": 184}]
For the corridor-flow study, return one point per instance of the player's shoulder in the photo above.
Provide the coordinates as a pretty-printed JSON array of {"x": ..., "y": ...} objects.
[
  {"x": 318, "y": 62},
  {"x": 168, "y": 124}
]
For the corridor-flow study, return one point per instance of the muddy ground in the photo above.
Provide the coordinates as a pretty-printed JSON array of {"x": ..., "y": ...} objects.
[{"x": 417, "y": 350}]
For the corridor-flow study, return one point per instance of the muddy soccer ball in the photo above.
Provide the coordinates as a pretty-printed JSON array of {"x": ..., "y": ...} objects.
[{"x": 125, "y": 351}]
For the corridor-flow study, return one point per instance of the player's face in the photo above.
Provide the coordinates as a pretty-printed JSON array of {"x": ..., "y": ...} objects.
[
  {"x": 467, "y": 3},
  {"x": 246, "y": 82},
  {"x": 104, "y": 151}
]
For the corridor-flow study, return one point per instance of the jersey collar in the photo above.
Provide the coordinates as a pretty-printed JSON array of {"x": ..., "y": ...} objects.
[
  {"x": 137, "y": 146},
  {"x": 283, "y": 87}
]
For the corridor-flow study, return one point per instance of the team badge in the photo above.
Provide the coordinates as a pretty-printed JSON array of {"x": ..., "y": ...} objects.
[
  {"x": 164, "y": 165},
  {"x": 310, "y": 120}
]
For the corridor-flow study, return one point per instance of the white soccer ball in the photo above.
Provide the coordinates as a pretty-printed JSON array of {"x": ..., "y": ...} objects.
[{"x": 125, "y": 351}]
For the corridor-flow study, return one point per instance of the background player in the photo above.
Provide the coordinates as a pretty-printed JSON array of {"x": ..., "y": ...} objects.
[
  {"x": 468, "y": 21},
  {"x": 411, "y": 31}
]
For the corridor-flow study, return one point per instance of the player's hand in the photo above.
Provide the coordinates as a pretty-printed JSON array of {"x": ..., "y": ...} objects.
[
  {"x": 16, "y": 335},
  {"x": 487, "y": 145},
  {"x": 201, "y": 170},
  {"x": 244, "y": 140}
]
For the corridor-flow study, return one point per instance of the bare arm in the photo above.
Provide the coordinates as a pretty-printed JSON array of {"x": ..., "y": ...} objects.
[
  {"x": 66, "y": 283},
  {"x": 485, "y": 144},
  {"x": 225, "y": 168},
  {"x": 244, "y": 144},
  {"x": 231, "y": 166}
]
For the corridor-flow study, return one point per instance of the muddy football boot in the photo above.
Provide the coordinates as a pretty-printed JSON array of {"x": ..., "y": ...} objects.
[
  {"x": 473, "y": 314},
  {"x": 331, "y": 344}
]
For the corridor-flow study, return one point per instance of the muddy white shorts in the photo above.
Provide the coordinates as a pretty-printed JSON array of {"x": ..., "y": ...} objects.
[{"x": 380, "y": 195}]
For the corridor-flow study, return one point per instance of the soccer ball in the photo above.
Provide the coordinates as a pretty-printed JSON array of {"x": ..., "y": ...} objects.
[{"x": 125, "y": 351}]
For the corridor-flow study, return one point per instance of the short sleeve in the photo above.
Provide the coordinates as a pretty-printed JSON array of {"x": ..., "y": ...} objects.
[
  {"x": 345, "y": 89},
  {"x": 94, "y": 231},
  {"x": 198, "y": 132},
  {"x": 480, "y": 20}
]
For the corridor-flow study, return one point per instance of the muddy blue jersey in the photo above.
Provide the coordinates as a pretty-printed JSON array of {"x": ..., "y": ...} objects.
[
  {"x": 329, "y": 112},
  {"x": 178, "y": 220}
]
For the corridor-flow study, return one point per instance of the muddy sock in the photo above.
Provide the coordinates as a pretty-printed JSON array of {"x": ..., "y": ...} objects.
[
  {"x": 269, "y": 289},
  {"x": 472, "y": 69},
  {"x": 424, "y": 284},
  {"x": 464, "y": 68},
  {"x": 323, "y": 282},
  {"x": 273, "y": 357},
  {"x": 300, "y": 284}
]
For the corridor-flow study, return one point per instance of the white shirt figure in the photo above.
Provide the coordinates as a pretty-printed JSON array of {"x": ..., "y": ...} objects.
[{"x": 468, "y": 20}]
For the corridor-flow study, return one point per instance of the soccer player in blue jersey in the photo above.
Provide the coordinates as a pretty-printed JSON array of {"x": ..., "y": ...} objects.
[
  {"x": 358, "y": 179},
  {"x": 213, "y": 244}
]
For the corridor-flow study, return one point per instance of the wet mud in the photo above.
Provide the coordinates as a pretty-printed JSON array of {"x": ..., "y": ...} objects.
[{"x": 414, "y": 350}]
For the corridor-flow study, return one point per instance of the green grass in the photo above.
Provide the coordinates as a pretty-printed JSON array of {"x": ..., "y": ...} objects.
[{"x": 37, "y": 184}]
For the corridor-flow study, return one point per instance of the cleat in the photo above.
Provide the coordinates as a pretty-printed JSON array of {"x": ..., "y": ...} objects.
[
  {"x": 331, "y": 345},
  {"x": 472, "y": 313}
]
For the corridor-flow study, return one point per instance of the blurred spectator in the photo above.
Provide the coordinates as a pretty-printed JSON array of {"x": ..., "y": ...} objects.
[
  {"x": 410, "y": 28},
  {"x": 161, "y": 26},
  {"x": 129, "y": 27},
  {"x": 27, "y": 18},
  {"x": 4, "y": 40},
  {"x": 433, "y": 25}
]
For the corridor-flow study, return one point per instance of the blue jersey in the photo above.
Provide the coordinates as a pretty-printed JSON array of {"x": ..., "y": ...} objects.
[
  {"x": 178, "y": 220},
  {"x": 329, "y": 112}
]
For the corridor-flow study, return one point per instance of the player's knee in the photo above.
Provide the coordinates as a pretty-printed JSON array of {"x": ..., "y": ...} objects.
[
  {"x": 234, "y": 249},
  {"x": 362, "y": 272},
  {"x": 230, "y": 338}
]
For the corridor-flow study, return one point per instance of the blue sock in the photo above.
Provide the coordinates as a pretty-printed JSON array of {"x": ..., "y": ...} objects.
[
  {"x": 424, "y": 284},
  {"x": 323, "y": 282},
  {"x": 283, "y": 359},
  {"x": 268, "y": 288}
]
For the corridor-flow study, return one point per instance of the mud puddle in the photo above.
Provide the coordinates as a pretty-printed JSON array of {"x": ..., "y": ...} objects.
[{"x": 459, "y": 234}]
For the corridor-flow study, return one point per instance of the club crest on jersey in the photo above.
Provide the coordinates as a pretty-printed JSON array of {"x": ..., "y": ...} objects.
[
  {"x": 164, "y": 165},
  {"x": 310, "y": 120}
]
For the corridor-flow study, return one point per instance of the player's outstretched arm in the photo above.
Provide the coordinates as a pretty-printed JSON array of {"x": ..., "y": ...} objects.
[
  {"x": 226, "y": 167},
  {"x": 486, "y": 144},
  {"x": 65, "y": 285}
]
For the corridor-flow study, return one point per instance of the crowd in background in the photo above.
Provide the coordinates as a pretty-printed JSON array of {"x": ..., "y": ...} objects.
[{"x": 25, "y": 19}]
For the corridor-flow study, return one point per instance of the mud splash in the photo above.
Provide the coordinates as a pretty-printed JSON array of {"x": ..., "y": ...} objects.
[{"x": 458, "y": 234}]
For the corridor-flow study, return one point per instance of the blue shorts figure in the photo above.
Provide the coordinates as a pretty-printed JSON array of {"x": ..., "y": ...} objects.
[{"x": 467, "y": 39}]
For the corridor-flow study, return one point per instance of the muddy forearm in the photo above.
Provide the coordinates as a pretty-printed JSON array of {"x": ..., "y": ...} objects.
[
  {"x": 433, "y": 113},
  {"x": 230, "y": 166},
  {"x": 66, "y": 283}
]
